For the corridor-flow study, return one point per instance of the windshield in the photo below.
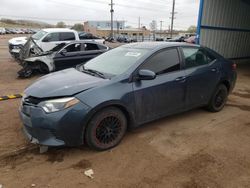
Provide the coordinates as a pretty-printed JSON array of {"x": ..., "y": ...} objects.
[
  {"x": 39, "y": 35},
  {"x": 116, "y": 61}
]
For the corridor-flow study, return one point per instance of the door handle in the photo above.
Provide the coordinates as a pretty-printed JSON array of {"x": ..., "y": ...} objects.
[
  {"x": 183, "y": 78},
  {"x": 214, "y": 70}
]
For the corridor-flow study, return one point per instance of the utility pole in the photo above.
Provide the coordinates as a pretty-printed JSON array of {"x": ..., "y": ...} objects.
[
  {"x": 112, "y": 17},
  {"x": 118, "y": 26},
  {"x": 161, "y": 27},
  {"x": 172, "y": 19}
]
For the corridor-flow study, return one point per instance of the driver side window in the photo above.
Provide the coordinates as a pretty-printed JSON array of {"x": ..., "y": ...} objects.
[
  {"x": 73, "y": 48},
  {"x": 163, "y": 62}
]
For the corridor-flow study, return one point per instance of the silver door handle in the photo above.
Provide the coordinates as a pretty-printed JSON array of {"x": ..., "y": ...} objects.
[
  {"x": 183, "y": 78},
  {"x": 214, "y": 70}
]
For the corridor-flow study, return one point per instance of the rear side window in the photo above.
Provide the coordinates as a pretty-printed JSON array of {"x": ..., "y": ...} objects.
[
  {"x": 51, "y": 37},
  {"x": 101, "y": 47},
  {"x": 86, "y": 36},
  {"x": 196, "y": 57},
  {"x": 67, "y": 36},
  {"x": 163, "y": 62},
  {"x": 90, "y": 46}
]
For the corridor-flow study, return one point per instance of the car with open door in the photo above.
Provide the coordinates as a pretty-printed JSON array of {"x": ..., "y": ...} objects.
[
  {"x": 61, "y": 57},
  {"x": 96, "y": 103}
]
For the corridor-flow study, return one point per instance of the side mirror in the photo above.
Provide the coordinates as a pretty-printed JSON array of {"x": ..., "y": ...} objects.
[
  {"x": 63, "y": 52},
  {"x": 145, "y": 74}
]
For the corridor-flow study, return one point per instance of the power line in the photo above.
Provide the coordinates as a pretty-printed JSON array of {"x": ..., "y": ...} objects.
[
  {"x": 101, "y": 2},
  {"x": 154, "y": 2}
]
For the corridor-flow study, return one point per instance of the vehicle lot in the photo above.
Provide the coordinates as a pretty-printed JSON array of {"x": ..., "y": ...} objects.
[{"x": 193, "y": 149}]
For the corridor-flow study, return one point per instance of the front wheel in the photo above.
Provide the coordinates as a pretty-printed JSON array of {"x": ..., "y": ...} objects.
[
  {"x": 218, "y": 99},
  {"x": 43, "y": 68},
  {"x": 106, "y": 129},
  {"x": 25, "y": 72}
]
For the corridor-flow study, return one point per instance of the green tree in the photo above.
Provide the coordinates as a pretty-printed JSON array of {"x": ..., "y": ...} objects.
[
  {"x": 60, "y": 25},
  {"x": 192, "y": 29},
  {"x": 78, "y": 27}
]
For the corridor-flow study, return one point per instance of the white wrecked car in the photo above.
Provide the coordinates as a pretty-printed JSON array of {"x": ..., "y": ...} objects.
[
  {"x": 61, "y": 57},
  {"x": 49, "y": 38}
]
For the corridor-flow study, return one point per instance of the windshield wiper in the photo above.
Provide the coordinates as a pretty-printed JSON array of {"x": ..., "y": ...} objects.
[{"x": 93, "y": 72}]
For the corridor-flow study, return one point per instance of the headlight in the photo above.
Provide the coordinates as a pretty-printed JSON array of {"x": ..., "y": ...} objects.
[
  {"x": 16, "y": 47},
  {"x": 23, "y": 97},
  {"x": 58, "y": 104}
]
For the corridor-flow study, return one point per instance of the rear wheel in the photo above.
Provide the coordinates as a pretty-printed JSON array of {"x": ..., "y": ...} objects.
[
  {"x": 106, "y": 129},
  {"x": 218, "y": 99}
]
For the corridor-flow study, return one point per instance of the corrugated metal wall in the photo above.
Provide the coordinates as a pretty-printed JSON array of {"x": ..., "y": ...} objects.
[{"x": 225, "y": 27}]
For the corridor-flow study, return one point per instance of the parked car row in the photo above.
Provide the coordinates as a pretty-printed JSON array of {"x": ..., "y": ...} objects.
[
  {"x": 188, "y": 39},
  {"x": 121, "y": 39},
  {"x": 127, "y": 39},
  {"x": 17, "y": 31}
]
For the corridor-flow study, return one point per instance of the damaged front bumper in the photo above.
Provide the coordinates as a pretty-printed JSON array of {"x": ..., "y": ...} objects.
[
  {"x": 14, "y": 50},
  {"x": 62, "y": 128},
  {"x": 38, "y": 135}
]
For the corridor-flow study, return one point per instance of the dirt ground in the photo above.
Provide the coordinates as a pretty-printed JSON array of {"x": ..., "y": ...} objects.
[{"x": 195, "y": 149}]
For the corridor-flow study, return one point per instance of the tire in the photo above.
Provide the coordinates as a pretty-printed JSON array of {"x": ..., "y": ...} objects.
[
  {"x": 106, "y": 129},
  {"x": 219, "y": 99},
  {"x": 43, "y": 68},
  {"x": 26, "y": 71}
]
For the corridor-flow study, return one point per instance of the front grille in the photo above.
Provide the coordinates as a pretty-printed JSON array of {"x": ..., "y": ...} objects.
[
  {"x": 32, "y": 100},
  {"x": 27, "y": 104}
]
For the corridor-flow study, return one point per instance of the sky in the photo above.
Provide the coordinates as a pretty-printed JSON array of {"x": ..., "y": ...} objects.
[{"x": 77, "y": 11}]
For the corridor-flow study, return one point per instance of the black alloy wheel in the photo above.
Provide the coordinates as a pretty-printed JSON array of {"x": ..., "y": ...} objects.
[
  {"x": 218, "y": 99},
  {"x": 106, "y": 129}
]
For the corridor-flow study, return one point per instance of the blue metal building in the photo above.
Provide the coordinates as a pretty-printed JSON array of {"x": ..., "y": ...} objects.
[{"x": 224, "y": 25}]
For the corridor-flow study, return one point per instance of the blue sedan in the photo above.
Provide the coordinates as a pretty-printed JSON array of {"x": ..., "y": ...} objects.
[{"x": 96, "y": 103}]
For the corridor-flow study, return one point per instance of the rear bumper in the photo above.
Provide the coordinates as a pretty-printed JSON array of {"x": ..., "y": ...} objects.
[{"x": 233, "y": 81}]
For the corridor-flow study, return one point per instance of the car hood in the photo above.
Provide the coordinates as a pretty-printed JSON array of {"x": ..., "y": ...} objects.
[
  {"x": 29, "y": 49},
  {"x": 63, "y": 83},
  {"x": 18, "y": 40}
]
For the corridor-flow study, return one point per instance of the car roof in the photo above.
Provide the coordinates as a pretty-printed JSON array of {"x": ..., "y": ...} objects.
[
  {"x": 57, "y": 29},
  {"x": 85, "y": 41},
  {"x": 157, "y": 45}
]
